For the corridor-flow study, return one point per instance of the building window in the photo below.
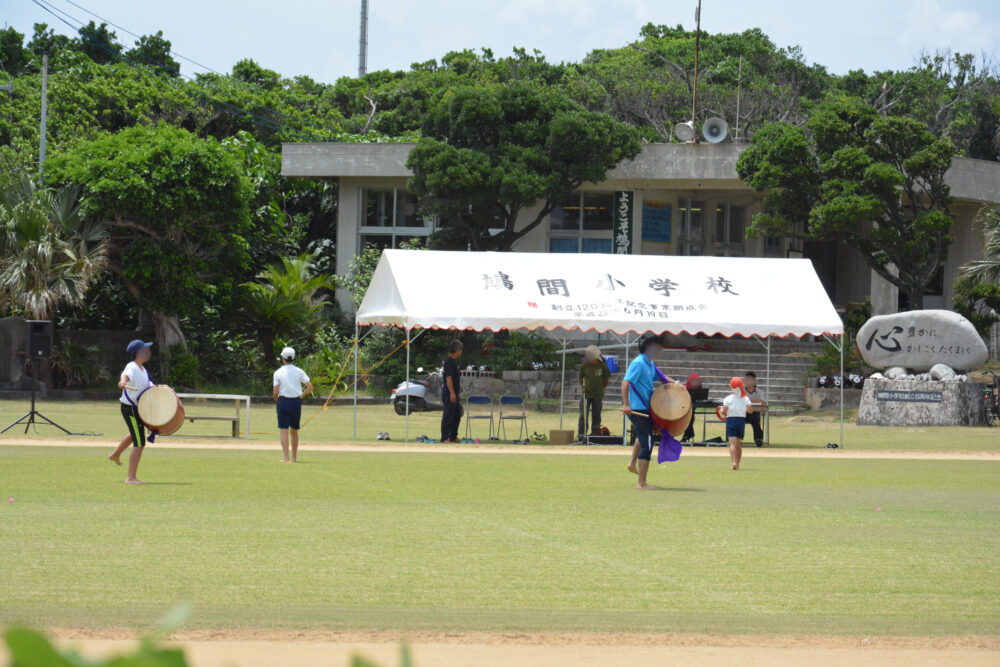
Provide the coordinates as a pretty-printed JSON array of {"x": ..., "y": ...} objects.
[
  {"x": 390, "y": 217},
  {"x": 730, "y": 230},
  {"x": 691, "y": 238},
  {"x": 582, "y": 222}
]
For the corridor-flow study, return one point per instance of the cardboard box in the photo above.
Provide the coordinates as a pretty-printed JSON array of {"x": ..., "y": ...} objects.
[{"x": 562, "y": 437}]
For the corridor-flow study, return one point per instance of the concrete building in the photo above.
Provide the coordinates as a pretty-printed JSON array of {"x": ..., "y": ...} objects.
[{"x": 685, "y": 200}]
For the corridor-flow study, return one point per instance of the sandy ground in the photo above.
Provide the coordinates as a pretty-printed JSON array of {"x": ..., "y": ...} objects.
[
  {"x": 577, "y": 450},
  {"x": 246, "y": 648}
]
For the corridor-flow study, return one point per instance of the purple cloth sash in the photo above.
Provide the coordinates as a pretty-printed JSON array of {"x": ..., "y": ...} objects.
[{"x": 670, "y": 448}]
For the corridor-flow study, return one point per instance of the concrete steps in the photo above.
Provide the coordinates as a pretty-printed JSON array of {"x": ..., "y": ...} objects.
[{"x": 784, "y": 385}]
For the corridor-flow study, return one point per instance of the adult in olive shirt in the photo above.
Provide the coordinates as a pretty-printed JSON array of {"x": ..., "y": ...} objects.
[{"x": 594, "y": 377}]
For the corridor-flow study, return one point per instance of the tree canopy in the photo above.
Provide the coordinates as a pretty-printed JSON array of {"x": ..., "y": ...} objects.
[
  {"x": 176, "y": 210},
  {"x": 873, "y": 182},
  {"x": 487, "y": 154}
]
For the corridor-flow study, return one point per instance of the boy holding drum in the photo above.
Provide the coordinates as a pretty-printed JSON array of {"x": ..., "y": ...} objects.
[{"x": 134, "y": 380}]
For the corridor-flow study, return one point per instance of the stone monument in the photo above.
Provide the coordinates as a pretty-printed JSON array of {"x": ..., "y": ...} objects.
[{"x": 925, "y": 354}]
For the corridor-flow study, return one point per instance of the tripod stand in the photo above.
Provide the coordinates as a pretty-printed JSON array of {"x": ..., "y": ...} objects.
[{"x": 30, "y": 418}]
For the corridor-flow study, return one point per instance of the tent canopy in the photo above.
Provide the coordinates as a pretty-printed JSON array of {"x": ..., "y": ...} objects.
[{"x": 732, "y": 296}]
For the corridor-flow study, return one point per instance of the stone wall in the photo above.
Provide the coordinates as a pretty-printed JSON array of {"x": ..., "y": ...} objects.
[
  {"x": 12, "y": 332},
  {"x": 829, "y": 399},
  {"x": 921, "y": 403}
]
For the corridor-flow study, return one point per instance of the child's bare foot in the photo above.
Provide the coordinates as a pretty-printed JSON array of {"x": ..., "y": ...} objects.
[
  {"x": 284, "y": 460},
  {"x": 736, "y": 466},
  {"x": 632, "y": 469},
  {"x": 644, "y": 487},
  {"x": 114, "y": 459},
  {"x": 134, "y": 481}
]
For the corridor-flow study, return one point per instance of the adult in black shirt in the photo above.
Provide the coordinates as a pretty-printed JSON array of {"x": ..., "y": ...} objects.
[{"x": 451, "y": 387}]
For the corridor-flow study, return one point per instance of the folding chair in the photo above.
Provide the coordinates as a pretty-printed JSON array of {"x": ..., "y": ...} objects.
[
  {"x": 484, "y": 405},
  {"x": 514, "y": 410}
]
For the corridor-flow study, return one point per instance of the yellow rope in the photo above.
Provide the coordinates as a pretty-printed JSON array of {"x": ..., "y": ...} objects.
[{"x": 363, "y": 374}]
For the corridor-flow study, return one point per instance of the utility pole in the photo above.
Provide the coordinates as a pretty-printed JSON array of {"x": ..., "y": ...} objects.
[
  {"x": 363, "y": 41},
  {"x": 694, "y": 95},
  {"x": 45, "y": 113}
]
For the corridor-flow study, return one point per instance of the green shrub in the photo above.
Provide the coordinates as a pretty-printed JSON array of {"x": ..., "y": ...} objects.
[
  {"x": 184, "y": 369},
  {"x": 77, "y": 365}
]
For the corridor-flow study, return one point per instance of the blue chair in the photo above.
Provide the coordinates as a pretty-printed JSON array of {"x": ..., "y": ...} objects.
[
  {"x": 512, "y": 407},
  {"x": 478, "y": 407}
]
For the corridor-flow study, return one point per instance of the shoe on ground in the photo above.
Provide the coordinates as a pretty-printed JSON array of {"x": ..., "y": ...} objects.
[
  {"x": 379, "y": 435},
  {"x": 385, "y": 436}
]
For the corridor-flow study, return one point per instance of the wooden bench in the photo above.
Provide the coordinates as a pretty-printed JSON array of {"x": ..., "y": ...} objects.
[{"x": 237, "y": 400}]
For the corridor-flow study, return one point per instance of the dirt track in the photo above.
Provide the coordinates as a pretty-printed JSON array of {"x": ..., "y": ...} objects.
[
  {"x": 248, "y": 648},
  {"x": 418, "y": 448}
]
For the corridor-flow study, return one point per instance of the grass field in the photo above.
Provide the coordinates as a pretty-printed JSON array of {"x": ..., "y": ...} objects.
[
  {"x": 812, "y": 430},
  {"x": 501, "y": 542}
]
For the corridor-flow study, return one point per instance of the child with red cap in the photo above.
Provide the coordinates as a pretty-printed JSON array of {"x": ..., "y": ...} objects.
[{"x": 734, "y": 410}]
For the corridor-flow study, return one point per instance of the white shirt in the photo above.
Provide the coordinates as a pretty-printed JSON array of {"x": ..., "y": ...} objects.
[
  {"x": 135, "y": 376},
  {"x": 737, "y": 405},
  {"x": 289, "y": 380}
]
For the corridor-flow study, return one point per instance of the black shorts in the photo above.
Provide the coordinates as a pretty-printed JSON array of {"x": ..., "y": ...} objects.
[
  {"x": 289, "y": 412},
  {"x": 136, "y": 428},
  {"x": 642, "y": 428}
]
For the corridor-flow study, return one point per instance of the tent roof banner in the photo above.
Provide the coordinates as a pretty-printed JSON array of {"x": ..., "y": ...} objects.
[{"x": 732, "y": 296}]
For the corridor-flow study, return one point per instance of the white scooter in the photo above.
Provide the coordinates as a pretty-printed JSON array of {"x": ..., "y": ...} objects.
[{"x": 420, "y": 394}]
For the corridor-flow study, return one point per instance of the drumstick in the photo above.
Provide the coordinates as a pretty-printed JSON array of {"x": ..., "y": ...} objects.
[{"x": 638, "y": 414}]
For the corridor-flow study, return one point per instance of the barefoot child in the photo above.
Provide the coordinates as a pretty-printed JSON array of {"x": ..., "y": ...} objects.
[
  {"x": 735, "y": 409},
  {"x": 134, "y": 380},
  {"x": 288, "y": 395}
]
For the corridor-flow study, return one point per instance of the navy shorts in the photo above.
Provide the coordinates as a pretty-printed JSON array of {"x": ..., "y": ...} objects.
[
  {"x": 289, "y": 412},
  {"x": 736, "y": 427},
  {"x": 642, "y": 428},
  {"x": 136, "y": 428}
]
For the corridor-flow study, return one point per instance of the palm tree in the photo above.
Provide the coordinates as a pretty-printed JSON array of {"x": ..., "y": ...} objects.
[
  {"x": 985, "y": 271},
  {"x": 49, "y": 253},
  {"x": 289, "y": 299}
]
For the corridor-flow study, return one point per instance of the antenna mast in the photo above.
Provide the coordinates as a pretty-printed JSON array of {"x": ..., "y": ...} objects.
[
  {"x": 697, "y": 42},
  {"x": 363, "y": 41}
]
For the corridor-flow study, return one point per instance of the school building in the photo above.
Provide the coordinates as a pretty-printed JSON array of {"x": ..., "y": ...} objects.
[{"x": 673, "y": 199}]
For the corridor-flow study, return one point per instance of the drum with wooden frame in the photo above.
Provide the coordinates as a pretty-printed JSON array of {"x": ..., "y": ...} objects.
[
  {"x": 160, "y": 409},
  {"x": 671, "y": 408}
]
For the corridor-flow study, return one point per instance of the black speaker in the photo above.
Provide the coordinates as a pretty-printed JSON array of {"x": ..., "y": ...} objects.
[{"x": 38, "y": 341}]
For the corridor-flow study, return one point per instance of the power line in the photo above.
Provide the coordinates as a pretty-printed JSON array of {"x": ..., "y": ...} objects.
[
  {"x": 222, "y": 106},
  {"x": 194, "y": 62}
]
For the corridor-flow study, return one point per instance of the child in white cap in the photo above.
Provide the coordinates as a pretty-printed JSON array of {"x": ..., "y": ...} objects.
[{"x": 288, "y": 395}]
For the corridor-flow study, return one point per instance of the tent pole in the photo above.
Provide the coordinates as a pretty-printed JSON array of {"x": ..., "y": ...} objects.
[
  {"x": 842, "y": 336},
  {"x": 407, "y": 385},
  {"x": 767, "y": 393},
  {"x": 624, "y": 416},
  {"x": 562, "y": 384},
  {"x": 355, "y": 381}
]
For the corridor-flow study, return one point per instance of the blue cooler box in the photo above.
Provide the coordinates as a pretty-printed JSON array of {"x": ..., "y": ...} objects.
[{"x": 612, "y": 363}]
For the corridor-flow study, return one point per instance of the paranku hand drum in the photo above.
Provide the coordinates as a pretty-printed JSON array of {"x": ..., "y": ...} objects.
[
  {"x": 671, "y": 408},
  {"x": 160, "y": 409}
]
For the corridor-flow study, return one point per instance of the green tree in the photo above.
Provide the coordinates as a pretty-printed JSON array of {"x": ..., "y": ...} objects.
[
  {"x": 154, "y": 51},
  {"x": 977, "y": 283},
  {"x": 13, "y": 56},
  {"x": 489, "y": 153},
  {"x": 45, "y": 41},
  {"x": 99, "y": 43},
  {"x": 291, "y": 299},
  {"x": 872, "y": 182},
  {"x": 176, "y": 209},
  {"x": 50, "y": 254}
]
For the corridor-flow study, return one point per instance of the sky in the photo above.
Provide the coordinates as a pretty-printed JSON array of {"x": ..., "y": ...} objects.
[{"x": 320, "y": 39}]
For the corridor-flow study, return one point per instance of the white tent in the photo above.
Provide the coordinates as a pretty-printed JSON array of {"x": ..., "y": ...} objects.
[{"x": 623, "y": 294}]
